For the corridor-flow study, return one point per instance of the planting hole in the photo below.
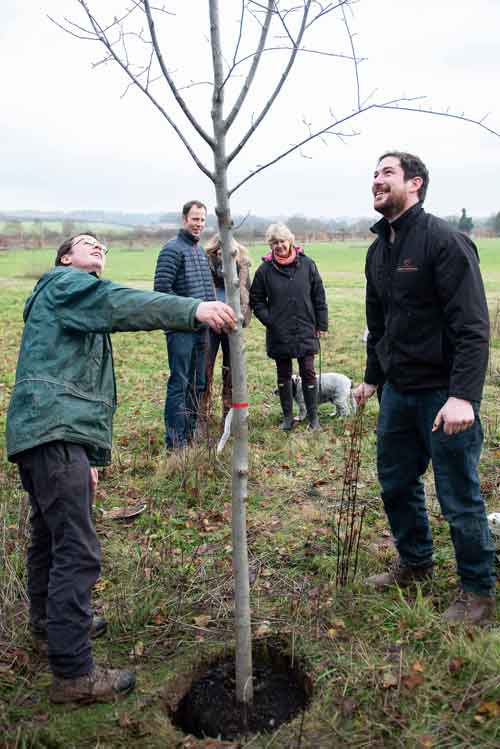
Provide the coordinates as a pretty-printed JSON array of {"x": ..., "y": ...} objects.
[{"x": 209, "y": 709}]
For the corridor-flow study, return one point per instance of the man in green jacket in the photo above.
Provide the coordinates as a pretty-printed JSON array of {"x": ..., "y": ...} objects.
[{"x": 59, "y": 429}]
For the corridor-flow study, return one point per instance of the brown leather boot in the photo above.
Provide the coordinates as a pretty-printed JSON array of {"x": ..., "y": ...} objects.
[
  {"x": 401, "y": 575},
  {"x": 101, "y": 685},
  {"x": 470, "y": 608}
]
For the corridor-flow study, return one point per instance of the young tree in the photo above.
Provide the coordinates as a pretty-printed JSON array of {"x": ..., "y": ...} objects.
[
  {"x": 465, "y": 223},
  {"x": 495, "y": 224},
  {"x": 243, "y": 90}
]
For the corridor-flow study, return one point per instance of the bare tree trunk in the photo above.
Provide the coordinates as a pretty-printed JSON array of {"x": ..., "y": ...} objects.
[{"x": 244, "y": 684}]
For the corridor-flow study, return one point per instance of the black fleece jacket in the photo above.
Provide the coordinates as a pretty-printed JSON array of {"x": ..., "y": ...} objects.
[
  {"x": 290, "y": 301},
  {"x": 426, "y": 308}
]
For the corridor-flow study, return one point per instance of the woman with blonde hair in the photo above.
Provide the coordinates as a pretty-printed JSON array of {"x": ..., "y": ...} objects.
[
  {"x": 288, "y": 297},
  {"x": 213, "y": 248}
]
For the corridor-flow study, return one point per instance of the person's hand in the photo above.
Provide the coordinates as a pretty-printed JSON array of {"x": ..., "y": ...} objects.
[
  {"x": 455, "y": 416},
  {"x": 218, "y": 315},
  {"x": 321, "y": 333},
  {"x": 94, "y": 478},
  {"x": 362, "y": 392}
]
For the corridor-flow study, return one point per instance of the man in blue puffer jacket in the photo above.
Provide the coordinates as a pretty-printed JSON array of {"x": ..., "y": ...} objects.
[{"x": 183, "y": 269}]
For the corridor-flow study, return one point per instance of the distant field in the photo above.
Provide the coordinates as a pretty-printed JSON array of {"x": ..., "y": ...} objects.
[{"x": 341, "y": 263}]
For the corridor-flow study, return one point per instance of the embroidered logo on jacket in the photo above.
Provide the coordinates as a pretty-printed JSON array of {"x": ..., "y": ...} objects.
[{"x": 407, "y": 265}]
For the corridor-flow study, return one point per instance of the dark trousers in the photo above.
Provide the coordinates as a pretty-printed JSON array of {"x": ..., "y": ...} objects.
[
  {"x": 64, "y": 553},
  {"x": 186, "y": 384},
  {"x": 216, "y": 341},
  {"x": 306, "y": 370},
  {"x": 405, "y": 446}
]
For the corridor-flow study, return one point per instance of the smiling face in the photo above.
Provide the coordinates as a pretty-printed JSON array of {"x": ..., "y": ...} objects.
[
  {"x": 86, "y": 253},
  {"x": 280, "y": 247},
  {"x": 392, "y": 193},
  {"x": 194, "y": 221}
]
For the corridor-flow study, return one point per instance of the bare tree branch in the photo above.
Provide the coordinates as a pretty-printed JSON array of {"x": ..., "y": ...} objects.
[
  {"x": 462, "y": 117},
  {"x": 253, "y": 68},
  {"x": 329, "y": 8},
  {"x": 392, "y": 104},
  {"x": 301, "y": 50},
  {"x": 278, "y": 88},
  {"x": 180, "y": 101},
  {"x": 67, "y": 30},
  {"x": 101, "y": 37},
  {"x": 240, "y": 31},
  {"x": 356, "y": 72}
]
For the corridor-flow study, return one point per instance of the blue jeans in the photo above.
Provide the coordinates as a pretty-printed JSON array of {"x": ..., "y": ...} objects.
[
  {"x": 186, "y": 384},
  {"x": 405, "y": 445}
]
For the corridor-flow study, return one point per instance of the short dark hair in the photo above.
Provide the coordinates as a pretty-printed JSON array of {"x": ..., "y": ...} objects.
[
  {"x": 187, "y": 207},
  {"x": 66, "y": 247},
  {"x": 412, "y": 166}
]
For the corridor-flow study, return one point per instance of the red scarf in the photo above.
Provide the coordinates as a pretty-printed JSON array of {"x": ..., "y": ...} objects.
[{"x": 289, "y": 259}]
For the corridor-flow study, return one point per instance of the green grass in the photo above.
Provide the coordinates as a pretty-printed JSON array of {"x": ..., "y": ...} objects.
[{"x": 386, "y": 672}]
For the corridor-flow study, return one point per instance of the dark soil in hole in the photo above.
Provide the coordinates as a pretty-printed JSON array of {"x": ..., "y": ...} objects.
[{"x": 209, "y": 708}]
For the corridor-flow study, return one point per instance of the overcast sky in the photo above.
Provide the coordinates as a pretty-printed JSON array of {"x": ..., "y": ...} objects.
[{"x": 70, "y": 140}]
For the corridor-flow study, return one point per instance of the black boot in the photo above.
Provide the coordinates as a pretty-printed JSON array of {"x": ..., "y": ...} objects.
[
  {"x": 311, "y": 400},
  {"x": 285, "y": 393}
]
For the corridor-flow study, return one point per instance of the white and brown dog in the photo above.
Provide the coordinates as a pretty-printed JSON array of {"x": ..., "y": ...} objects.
[{"x": 333, "y": 388}]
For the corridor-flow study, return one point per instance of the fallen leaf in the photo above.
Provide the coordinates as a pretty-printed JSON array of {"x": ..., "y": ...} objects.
[
  {"x": 418, "y": 667},
  {"x": 426, "y": 741},
  {"x": 138, "y": 650},
  {"x": 123, "y": 513},
  {"x": 489, "y": 709},
  {"x": 412, "y": 681},
  {"x": 455, "y": 665},
  {"x": 390, "y": 680},
  {"x": 202, "y": 620}
]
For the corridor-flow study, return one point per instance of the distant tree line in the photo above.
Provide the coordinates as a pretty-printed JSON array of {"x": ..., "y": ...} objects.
[{"x": 25, "y": 229}]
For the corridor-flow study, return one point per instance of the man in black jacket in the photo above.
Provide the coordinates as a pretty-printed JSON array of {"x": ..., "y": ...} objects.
[
  {"x": 182, "y": 269},
  {"x": 428, "y": 339}
]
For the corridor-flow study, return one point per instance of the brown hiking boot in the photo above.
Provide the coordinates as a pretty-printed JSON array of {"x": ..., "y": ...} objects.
[
  {"x": 400, "y": 574},
  {"x": 101, "y": 685},
  {"x": 39, "y": 631},
  {"x": 470, "y": 608}
]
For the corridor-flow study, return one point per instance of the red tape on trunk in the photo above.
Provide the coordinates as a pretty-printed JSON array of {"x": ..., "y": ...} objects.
[{"x": 239, "y": 405}]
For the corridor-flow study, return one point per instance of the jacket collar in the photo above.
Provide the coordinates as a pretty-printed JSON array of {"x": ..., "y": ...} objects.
[
  {"x": 269, "y": 257},
  {"x": 187, "y": 236},
  {"x": 383, "y": 226}
]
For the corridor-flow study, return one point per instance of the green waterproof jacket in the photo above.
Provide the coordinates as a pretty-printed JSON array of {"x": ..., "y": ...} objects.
[{"x": 65, "y": 383}]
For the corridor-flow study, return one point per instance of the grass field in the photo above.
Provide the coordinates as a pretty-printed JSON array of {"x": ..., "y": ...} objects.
[{"x": 386, "y": 672}]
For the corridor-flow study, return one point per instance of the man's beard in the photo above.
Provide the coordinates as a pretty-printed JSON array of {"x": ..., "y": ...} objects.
[{"x": 393, "y": 205}]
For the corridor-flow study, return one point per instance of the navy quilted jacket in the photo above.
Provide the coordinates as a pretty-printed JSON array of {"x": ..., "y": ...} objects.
[{"x": 182, "y": 269}]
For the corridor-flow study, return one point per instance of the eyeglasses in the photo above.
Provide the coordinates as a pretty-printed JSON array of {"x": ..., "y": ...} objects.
[{"x": 91, "y": 244}]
